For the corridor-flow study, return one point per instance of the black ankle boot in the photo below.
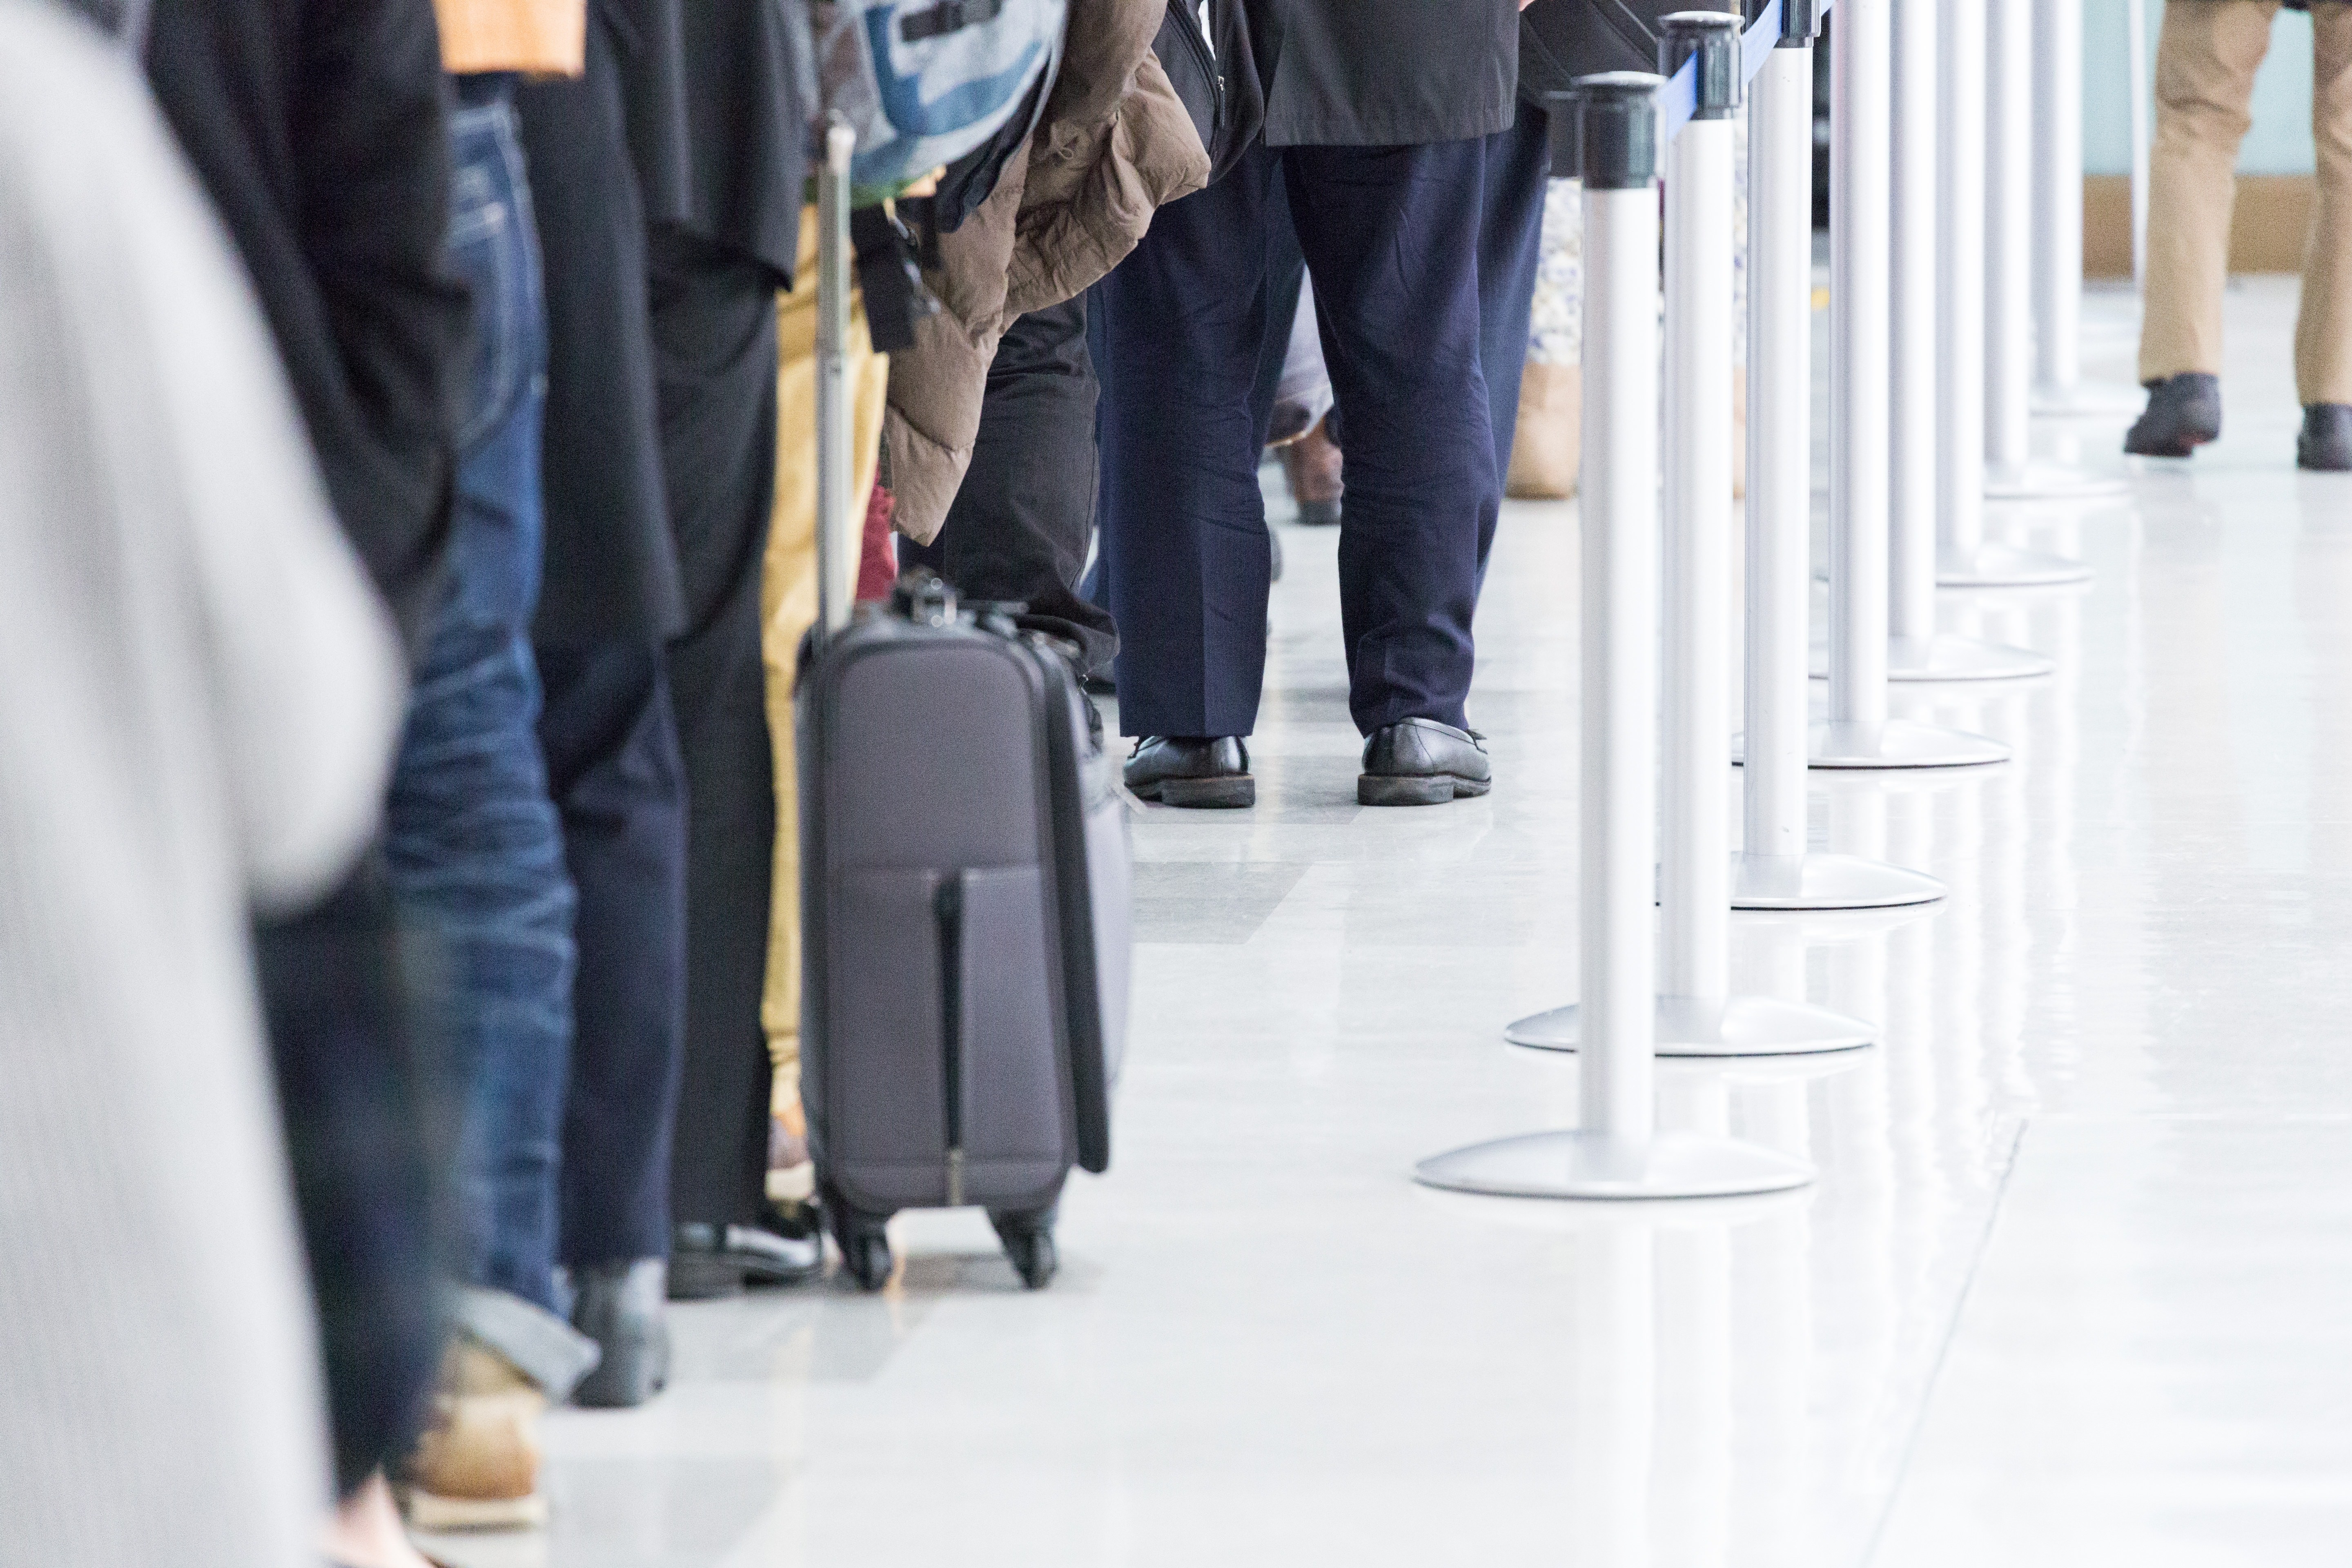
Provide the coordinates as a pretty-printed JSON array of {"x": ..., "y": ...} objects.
[
  {"x": 2326, "y": 445},
  {"x": 620, "y": 1306},
  {"x": 2184, "y": 412}
]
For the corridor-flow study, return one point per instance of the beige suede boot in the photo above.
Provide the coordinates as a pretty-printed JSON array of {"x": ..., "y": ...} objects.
[{"x": 477, "y": 1466}]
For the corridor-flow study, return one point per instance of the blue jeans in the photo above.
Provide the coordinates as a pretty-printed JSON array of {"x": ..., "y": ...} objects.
[{"x": 475, "y": 852}]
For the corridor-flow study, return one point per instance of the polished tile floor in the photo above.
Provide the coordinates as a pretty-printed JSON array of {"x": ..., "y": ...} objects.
[{"x": 2074, "y": 1286}]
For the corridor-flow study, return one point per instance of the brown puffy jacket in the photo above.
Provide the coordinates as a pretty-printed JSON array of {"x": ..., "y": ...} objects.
[{"x": 1114, "y": 144}]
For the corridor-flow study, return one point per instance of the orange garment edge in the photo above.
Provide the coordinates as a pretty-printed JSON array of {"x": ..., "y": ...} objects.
[{"x": 543, "y": 38}]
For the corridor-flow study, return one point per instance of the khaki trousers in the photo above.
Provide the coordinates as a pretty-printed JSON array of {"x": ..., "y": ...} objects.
[
  {"x": 2205, "y": 65},
  {"x": 788, "y": 608}
]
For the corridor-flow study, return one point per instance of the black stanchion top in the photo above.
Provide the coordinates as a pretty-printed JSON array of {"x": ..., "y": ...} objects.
[
  {"x": 1713, "y": 39},
  {"x": 1801, "y": 23},
  {"x": 1620, "y": 115}
]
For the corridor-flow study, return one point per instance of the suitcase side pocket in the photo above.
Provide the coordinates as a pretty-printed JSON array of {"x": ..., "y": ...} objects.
[
  {"x": 885, "y": 1066},
  {"x": 1009, "y": 1099}
]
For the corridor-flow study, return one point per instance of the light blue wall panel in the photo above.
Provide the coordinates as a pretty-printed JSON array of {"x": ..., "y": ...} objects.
[{"x": 2280, "y": 143}]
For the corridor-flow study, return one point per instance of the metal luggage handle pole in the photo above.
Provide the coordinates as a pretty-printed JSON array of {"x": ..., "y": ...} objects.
[
  {"x": 1921, "y": 375},
  {"x": 1618, "y": 1151},
  {"x": 1859, "y": 733},
  {"x": 1696, "y": 1015},
  {"x": 834, "y": 453},
  {"x": 1774, "y": 869}
]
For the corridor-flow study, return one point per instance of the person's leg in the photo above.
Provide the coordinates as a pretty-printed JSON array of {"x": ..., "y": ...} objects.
[
  {"x": 2323, "y": 339},
  {"x": 1183, "y": 524},
  {"x": 2205, "y": 61},
  {"x": 476, "y": 865},
  {"x": 714, "y": 326},
  {"x": 1511, "y": 247},
  {"x": 1019, "y": 527},
  {"x": 351, "y": 1087},
  {"x": 1391, "y": 239},
  {"x": 613, "y": 767}
]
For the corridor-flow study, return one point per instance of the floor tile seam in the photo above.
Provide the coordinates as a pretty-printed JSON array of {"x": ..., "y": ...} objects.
[{"x": 2016, "y": 1138}]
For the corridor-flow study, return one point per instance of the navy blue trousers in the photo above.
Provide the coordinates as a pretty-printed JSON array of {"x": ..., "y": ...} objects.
[
  {"x": 1394, "y": 237},
  {"x": 614, "y": 770}
]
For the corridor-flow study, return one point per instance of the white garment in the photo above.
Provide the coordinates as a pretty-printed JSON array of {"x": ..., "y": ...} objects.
[{"x": 197, "y": 702}]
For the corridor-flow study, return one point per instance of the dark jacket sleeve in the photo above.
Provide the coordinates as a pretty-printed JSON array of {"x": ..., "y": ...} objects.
[
  {"x": 371, "y": 135},
  {"x": 317, "y": 127}
]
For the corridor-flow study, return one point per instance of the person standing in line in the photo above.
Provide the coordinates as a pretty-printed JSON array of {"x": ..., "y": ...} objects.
[
  {"x": 472, "y": 845},
  {"x": 2205, "y": 62},
  {"x": 668, "y": 183},
  {"x": 320, "y": 133},
  {"x": 1389, "y": 129},
  {"x": 201, "y": 705},
  {"x": 609, "y": 601},
  {"x": 722, "y": 249}
]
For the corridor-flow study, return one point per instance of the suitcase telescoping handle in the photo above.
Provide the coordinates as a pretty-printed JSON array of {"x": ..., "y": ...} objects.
[{"x": 835, "y": 559}]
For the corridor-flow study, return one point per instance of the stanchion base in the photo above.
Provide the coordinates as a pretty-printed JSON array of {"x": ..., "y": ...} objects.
[
  {"x": 1596, "y": 1165},
  {"x": 2051, "y": 481},
  {"x": 1826, "y": 882},
  {"x": 1692, "y": 1027},
  {"x": 2008, "y": 566},
  {"x": 1961, "y": 658},
  {"x": 1899, "y": 743},
  {"x": 1949, "y": 659},
  {"x": 2089, "y": 400}
]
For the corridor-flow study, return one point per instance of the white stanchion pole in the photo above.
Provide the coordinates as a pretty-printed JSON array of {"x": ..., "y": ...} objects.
[
  {"x": 1775, "y": 869},
  {"x": 2009, "y": 214},
  {"x": 1963, "y": 343},
  {"x": 1618, "y": 1151},
  {"x": 1696, "y": 1015},
  {"x": 2059, "y": 388},
  {"x": 1915, "y": 651},
  {"x": 1859, "y": 733}
]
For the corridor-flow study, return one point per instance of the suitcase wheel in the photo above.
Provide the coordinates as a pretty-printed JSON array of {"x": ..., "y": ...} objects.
[
  {"x": 1029, "y": 1242},
  {"x": 864, "y": 1245},
  {"x": 869, "y": 1259}
]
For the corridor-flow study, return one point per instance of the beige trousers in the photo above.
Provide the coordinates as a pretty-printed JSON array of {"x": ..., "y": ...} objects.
[
  {"x": 2205, "y": 65},
  {"x": 788, "y": 607}
]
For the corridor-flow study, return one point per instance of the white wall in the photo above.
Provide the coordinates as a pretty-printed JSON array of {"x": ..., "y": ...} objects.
[{"x": 2280, "y": 143}]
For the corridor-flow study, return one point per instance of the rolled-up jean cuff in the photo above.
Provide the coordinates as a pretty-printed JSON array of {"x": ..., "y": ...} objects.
[{"x": 540, "y": 1345}]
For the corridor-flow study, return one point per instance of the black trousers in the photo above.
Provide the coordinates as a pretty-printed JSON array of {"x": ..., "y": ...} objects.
[
  {"x": 714, "y": 329},
  {"x": 1411, "y": 288},
  {"x": 354, "y": 1089},
  {"x": 613, "y": 769},
  {"x": 1020, "y": 525}
]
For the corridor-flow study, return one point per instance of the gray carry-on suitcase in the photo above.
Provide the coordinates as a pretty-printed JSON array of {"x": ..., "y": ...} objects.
[{"x": 965, "y": 887}]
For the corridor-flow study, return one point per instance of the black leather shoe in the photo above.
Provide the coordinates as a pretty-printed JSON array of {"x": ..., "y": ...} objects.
[
  {"x": 2184, "y": 412},
  {"x": 707, "y": 1260},
  {"x": 1182, "y": 770},
  {"x": 620, "y": 1306},
  {"x": 2326, "y": 445},
  {"x": 1421, "y": 762}
]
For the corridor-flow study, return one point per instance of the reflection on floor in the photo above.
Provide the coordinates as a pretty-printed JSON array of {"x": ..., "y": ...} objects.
[{"x": 2069, "y": 1291}]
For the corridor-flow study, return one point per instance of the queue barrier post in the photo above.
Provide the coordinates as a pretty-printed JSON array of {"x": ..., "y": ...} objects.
[
  {"x": 1859, "y": 733},
  {"x": 2059, "y": 389},
  {"x": 1775, "y": 869},
  {"x": 1696, "y": 1015},
  {"x": 1618, "y": 1151},
  {"x": 1920, "y": 378},
  {"x": 2012, "y": 473}
]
